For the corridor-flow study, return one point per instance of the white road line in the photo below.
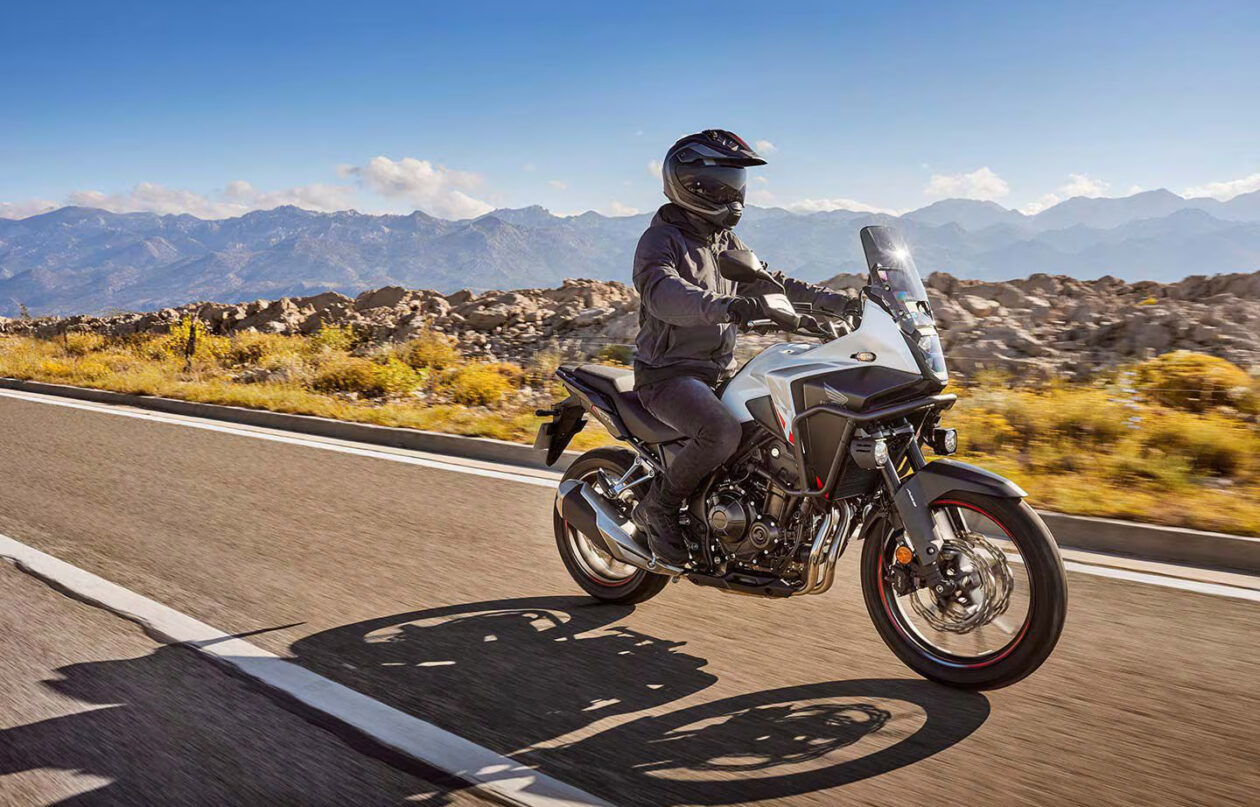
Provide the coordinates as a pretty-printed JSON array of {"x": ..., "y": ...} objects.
[
  {"x": 1197, "y": 586},
  {"x": 1181, "y": 583},
  {"x": 1217, "y": 589},
  {"x": 498, "y": 775},
  {"x": 296, "y": 440}
]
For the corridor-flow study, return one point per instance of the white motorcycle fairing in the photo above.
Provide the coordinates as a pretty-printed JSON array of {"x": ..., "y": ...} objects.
[{"x": 775, "y": 368}]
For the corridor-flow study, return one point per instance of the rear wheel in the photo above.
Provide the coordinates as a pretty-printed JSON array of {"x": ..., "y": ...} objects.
[
  {"x": 590, "y": 564},
  {"x": 1011, "y": 602}
]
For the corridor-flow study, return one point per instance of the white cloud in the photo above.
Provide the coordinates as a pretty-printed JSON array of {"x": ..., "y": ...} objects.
[
  {"x": 1224, "y": 190},
  {"x": 765, "y": 198},
  {"x": 30, "y": 207},
  {"x": 237, "y": 198},
  {"x": 1134, "y": 189},
  {"x": 824, "y": 205},
  {"x": 761, "y": 180},
  {"x": 765, "y": 147},
  {"x": 654, "y": 168},
  {"x": 1040, "y": 203},
  {"x": 982, "y": 183},
  {"x": 435, "y": 189},
  {"x": 1077, "y": 185},
  {"x": 558, "y": 184},
  {"x": 616, "y": 208}
]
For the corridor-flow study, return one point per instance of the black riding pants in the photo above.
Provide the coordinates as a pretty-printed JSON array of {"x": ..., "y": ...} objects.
[{"x": 690, "y": 406}]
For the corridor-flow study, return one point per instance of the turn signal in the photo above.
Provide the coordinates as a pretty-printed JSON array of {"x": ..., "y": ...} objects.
[{"x": 903, "y": 555}]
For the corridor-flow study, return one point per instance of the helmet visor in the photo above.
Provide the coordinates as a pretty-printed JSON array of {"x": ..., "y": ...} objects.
[{"x": 718, "y": 184}]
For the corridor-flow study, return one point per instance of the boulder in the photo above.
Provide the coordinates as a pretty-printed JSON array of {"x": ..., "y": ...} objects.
[{"x": 979, "y": 306}]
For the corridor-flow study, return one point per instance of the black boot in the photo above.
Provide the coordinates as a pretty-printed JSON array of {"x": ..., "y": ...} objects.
[{"x": 657, "y": 516}]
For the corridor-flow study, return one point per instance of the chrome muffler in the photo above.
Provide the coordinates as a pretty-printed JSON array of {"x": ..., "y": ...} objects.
[{"x": 595, "y": 517}]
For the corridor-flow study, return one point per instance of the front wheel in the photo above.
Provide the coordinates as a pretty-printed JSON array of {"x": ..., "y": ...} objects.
[
  {"x": 1008, "y": 610},
  {"x": 592, "y": 567}
]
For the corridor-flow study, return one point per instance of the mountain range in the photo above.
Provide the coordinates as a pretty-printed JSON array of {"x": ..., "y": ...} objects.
[{"x": 85, "y": 260}]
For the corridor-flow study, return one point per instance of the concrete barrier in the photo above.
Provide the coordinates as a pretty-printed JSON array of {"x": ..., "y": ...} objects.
[{"x": 1113, "y": 536}]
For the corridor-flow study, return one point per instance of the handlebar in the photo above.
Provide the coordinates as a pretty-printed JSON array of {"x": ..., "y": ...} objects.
[{"x": 808, "y": 326}]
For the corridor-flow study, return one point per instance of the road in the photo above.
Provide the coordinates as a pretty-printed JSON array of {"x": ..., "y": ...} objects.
[{"x": 440, "y": 594}]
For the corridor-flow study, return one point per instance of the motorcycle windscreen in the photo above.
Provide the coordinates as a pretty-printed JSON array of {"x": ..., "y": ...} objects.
[
  {"x": 895, "y": 282},
  {"x": 894, "y": 277}
]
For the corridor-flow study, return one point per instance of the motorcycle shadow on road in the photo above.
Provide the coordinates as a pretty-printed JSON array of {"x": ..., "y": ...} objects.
[
  {"x": 168, "y": 728},
  {"x": 520, "y": 676}
]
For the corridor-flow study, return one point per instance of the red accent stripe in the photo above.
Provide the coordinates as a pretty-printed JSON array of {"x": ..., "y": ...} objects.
[{"x": 883, "y": 596}]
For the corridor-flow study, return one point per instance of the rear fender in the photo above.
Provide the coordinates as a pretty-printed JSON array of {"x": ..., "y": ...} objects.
[
  {"x": 567, "y": 419},
  {"x": 596, "y": 403}
]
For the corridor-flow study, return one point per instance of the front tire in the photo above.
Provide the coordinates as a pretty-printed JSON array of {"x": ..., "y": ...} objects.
[
  {"x": 585, "y": 557},
  {"x": 977, "y": 665}
]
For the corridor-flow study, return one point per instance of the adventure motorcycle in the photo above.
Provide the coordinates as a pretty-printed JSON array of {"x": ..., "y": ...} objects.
[{"x": 961, "y": 577}]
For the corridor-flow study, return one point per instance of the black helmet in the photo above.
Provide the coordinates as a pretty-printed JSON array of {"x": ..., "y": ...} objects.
[{"x": 704, "y": 173}]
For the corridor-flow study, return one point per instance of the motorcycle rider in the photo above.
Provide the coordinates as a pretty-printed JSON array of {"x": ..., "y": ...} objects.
[{"x": 688, "y": 314}]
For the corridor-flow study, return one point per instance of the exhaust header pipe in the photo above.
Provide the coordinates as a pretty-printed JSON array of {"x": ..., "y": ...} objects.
[{"x": 592, "y": 515}]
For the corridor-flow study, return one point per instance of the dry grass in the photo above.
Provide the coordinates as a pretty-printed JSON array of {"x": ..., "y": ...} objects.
[
  {"x": 1110, "y": 450},
  {"x": 1186, "y": 459}
]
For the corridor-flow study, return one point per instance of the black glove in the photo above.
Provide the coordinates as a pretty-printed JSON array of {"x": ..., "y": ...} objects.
[
  {"x": 841, "y": 306},
  {"x": 744, "y": 310}
]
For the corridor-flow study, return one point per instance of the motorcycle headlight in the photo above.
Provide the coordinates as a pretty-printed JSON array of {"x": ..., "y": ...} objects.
[{"x": 932, "y": 355}]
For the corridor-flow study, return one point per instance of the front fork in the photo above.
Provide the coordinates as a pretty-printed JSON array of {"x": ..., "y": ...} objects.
[{"x": 911, "y": 507}]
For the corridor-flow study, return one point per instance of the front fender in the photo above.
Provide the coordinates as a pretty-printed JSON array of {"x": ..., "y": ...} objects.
[
  {"x": 940, "y": 477},
  {"x": 934, "y": 481}
]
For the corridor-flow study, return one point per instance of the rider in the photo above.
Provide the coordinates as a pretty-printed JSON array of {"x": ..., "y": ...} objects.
[{"x": 687, "y": 319}]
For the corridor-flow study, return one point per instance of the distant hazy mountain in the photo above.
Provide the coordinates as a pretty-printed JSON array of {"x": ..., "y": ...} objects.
[
  {"x": 83, "y": 260},
  {"x": 969, "y": 214}
]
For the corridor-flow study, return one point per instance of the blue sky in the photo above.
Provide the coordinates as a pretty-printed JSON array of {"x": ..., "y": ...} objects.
[{"x": 458, "y": 107}]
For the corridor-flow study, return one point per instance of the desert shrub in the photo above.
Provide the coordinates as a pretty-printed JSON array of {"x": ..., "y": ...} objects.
[
  {"x": 430, "y": 350},
  {"x": 512, "y": 373},
  {"x": 477, "y": 385},
  {"x": 56, "y": 369},
  {"x": 338, "y": 338},
  {"x": 289, "y": 367},
  {"x": 365, "y": 377},
  {"x": 616, "y": 354},
  {"x": 1090, "y": 416},
  {"x": 1211, "y": 445},
  {"x": 174, "y": 343},
  {"x": 1196, "y": 382},
  {"x": 251, "y": 347},
  {"x": 982, "y": 430},
  {"x": 81, "y": 343},
  {"x": 91, "y": 369},
  {"x": 396, "y": 377}
]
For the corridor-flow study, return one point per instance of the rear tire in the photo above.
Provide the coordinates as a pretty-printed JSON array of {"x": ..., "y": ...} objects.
[
  {"x": 630, "y": 589},
  {"x": 1041, "y": 628}
]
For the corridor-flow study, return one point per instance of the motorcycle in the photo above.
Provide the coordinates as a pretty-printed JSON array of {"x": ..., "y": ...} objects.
[{"x": 961, "y": 578}]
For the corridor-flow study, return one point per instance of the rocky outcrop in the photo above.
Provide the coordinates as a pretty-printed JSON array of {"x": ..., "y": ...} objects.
[
  {"x": 1043, "y": 324},
  {"x": 1056, "y": 324}
]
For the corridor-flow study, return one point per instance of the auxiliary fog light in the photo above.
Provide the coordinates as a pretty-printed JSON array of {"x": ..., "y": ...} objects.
[
  {"x": 870, "y": 453},
  {"x": 944, "y": 441},
  {"x": 880, "y": 453}
]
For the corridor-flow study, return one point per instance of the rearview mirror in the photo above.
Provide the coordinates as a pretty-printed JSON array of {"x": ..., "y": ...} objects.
[{"x": 741, "y": 266}]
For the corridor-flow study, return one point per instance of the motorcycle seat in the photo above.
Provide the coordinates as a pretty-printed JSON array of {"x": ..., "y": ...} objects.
[{"x": 617, "y": 384}]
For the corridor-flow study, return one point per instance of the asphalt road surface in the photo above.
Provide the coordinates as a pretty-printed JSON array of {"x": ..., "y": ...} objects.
[{"x": 440, "y": 594}]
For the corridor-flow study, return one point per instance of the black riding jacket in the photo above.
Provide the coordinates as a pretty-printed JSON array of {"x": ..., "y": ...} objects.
[{"x": 684, "y": 324}]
